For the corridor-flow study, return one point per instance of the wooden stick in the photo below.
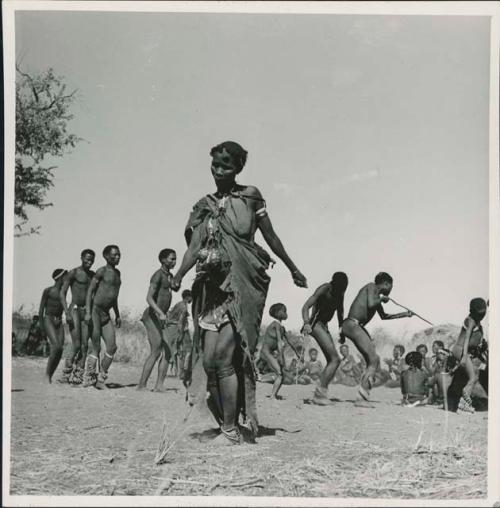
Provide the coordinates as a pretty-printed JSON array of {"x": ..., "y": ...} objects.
[{"x": 402, "y": 306}]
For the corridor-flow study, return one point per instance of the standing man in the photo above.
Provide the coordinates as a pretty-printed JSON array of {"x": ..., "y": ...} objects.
[
  {"x": 78, "y": 279},
  {"x": 368, "y": 302},
  {"x": 326, "y": 300},
  {"x": 50, "y": 314},
  {"x": 102, "y": 296}
]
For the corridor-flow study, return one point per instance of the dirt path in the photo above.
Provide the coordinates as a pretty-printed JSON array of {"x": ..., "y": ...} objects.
[{"x": 77, "y": 441}]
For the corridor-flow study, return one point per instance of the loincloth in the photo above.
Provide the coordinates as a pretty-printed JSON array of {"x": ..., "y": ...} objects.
[
  {"x": 356, "y": 322},
  {"x": 103, "y": 315},
  {"x": 55, "y": 320},
  {"x": 214, "y": 319},
  {"x": 78, "y": 310}
]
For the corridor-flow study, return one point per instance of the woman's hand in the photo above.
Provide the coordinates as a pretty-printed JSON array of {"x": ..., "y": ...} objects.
[
  {"x": 175, "y": 284},
  {"x": 299, "y": 279}
]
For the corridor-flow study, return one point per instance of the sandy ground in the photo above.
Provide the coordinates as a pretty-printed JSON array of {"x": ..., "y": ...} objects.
[{"x": 83, "y": 441}]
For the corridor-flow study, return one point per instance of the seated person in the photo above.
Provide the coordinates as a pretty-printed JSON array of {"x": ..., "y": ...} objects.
[
  {"x": 414, "y": 381},
  {"x": 431, "y": 362},
  {"x": 440, "y": 380},
  {"x": 313, "y": 366},
  {"x": 395, "y": 365},
  {"x": 36, "y": 342},
  {"x": 295, "y": 373},
  {"x": 348, "y": 373},
  {"x": 423, "y": 350}
]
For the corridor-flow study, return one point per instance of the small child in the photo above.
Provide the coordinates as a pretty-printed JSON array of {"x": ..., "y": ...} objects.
[
  {"x": 440, "y": 379},
  {"x": 434, "y": 361},
  {"x": 348, "y": 373},
  {"x": 423, "y": 350},
  {"x": 414, "y": 383},
  {"x": 313, "y": 366},
  {"x": 396, "y": 365},
  {"x": 274, "y": 338}
]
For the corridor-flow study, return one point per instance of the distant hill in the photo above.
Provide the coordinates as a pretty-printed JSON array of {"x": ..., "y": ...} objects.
[{"x": 448, "y": 333}]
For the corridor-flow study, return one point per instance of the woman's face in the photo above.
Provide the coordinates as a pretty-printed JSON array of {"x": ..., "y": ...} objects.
[
  {"x": 224, "y": 170},
  {"x": 422, "y": 351}
]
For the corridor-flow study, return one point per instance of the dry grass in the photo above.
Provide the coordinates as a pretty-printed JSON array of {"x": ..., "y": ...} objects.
[
  {"x": 342, "y": 469},
  {"x": 67, "y": 441}
]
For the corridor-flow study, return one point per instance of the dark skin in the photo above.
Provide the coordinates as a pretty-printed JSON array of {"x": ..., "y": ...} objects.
[
  {"x": 183, "y": 322},
  {"x": 50, "y": 313},
  {"x": 103, "y": 293},
  {"x": 219, "y": 346},
  {"x": 368, "y": 302},
  {"x": 159, "y": 298},
  {"x": 78, "y": 280},
  {"x": 325, "y": 294},
  {"x": 461, "y": 349},
  {"x": 224, "y": 172},
  {"x": 274, "y": 331}
]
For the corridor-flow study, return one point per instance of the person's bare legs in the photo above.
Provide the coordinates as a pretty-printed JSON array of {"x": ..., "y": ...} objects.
[
  {"x": 56, "y": 347},
  {"x": 214, "y": 402},
  {"x": 327, "y": 346},
  {"x": 276, "y": 367},
  {"x": 365, "y": 346},
  {"x": 108, "y": 334},
  {"x": 85, "y": 332},
  {"x": 226, "y": 376},
  {"x": 155, "y": 344},
  {"x": 162, "y": 367},
  {"x": 90, "y": 375},
  {"x": 75, "y": 332},
  {"x": 471, "y": 374}
]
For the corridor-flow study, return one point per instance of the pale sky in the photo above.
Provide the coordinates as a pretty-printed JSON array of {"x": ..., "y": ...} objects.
[{"x": 367, "y": 136}]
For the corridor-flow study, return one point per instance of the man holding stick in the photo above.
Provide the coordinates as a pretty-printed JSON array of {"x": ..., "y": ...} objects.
[{"x": 369, "y": 301}]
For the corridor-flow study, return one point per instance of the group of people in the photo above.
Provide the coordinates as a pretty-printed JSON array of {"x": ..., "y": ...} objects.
[
  {"x": 93, "y": 296},
  {"x": 422, "y": 380},
  {"x": 227, "y": 300}
]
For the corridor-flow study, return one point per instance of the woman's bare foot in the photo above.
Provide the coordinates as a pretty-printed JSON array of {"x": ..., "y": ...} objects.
[{"x": 227, "y": 438}]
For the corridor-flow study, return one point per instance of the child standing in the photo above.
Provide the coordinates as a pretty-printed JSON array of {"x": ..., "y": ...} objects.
[{"x": 273, "y": 341}]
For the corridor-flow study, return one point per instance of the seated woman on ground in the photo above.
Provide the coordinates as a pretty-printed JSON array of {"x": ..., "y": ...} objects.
[
  {"x": 348, "y": 373},
  {"x": 414, "y": 381},
  {"x": 395, "y": 365}
]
